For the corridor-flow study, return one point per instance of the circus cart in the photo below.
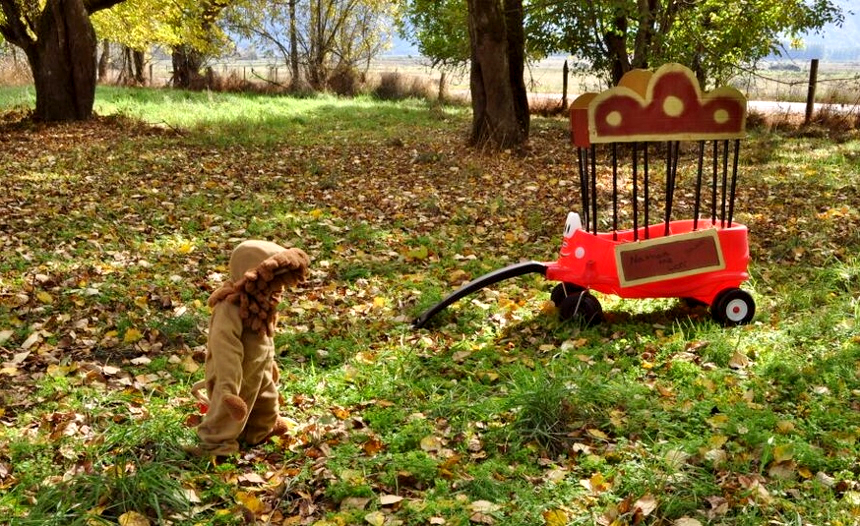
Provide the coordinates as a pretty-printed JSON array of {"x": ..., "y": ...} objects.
[{"x": 625, "y": 239}]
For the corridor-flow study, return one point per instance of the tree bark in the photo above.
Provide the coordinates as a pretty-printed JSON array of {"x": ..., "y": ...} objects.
[
  {"x": 499, "y": 102},
  {"x": 104, "y": 59},
  {"x": 294, "y": 47},
  {"x": 187, "y": 62},
  {"x": 63, "y": 61}
]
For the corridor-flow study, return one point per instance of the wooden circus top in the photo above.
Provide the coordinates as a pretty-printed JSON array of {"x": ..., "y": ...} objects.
[{"x": 665, "y": 105}]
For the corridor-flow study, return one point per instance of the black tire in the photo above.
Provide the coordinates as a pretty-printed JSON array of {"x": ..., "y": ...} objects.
[
  {"x": 583, "y": 307},
  {"x": 563, "y": 290},
  {"x": 733, "y": 307}
]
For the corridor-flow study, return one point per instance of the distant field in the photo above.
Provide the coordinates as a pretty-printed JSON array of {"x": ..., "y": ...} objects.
[
  {"x": 773, "y": 81},
  {"x": 777, "y": 81}
]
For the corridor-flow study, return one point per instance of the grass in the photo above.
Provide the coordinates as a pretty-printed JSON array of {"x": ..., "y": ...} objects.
[{"x": 115, "y": 232}]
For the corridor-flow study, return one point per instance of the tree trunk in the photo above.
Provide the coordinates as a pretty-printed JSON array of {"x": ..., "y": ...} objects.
[
  {"x": 616, "y": 43},
  {"x": 104, "y": 59},
  {"x": 499, "y": 102},
  {"x": 294, "y": 47},
  {"x": 186, "y": 67},
  {"x": 63, "y": 62},
  {"x": 138, "y": 60}
]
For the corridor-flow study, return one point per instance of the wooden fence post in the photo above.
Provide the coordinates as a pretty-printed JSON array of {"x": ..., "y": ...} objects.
[
  {"x": 564, "y": 73},
  {"x": 810, "y": 95}
]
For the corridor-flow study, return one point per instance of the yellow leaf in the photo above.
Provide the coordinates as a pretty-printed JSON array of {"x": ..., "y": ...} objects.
[
  {"x": 45, "y": 297},
  {"x": 421, "y": 253},
  {"x": 784, "y": 427},
  {"x": 717, "y": 420},
  {"x": 431, "y": 443},
  {"x": 375, "y": 518},
  {"x": 596, "y": 483},
  {"x": 555, "y": 517},
  {"x": 379, "y": 302},
  {"x": 133, "y": 518},
  {"x": 598, "y": 434},
  {"x": 185, "y": 248},
  {"x": 250, "y": 501},
  {"x": 132, "y": 335},
  {"x": 717, "y": 441},
  {"x": 783, "y": 452}
]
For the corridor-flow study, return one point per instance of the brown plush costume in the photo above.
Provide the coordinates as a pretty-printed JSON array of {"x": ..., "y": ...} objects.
[{"x": 241, "y": 374}]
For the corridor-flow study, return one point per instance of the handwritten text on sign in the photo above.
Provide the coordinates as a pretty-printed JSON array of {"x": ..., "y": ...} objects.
[{"x": 669, "y": 258}]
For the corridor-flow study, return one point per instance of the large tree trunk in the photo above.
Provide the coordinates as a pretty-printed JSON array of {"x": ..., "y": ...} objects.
[
  {"x": 499, "y": 102},
  {"x": 187, "y": 62},
  {"x": 63, "y": 62},
  {"x": 60, "y": 45}
]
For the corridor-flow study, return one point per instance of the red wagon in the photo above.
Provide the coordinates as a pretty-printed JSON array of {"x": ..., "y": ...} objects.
[{"x": 703, "y": 258}]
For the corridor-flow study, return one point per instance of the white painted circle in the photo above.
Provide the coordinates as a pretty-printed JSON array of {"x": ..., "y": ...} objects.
[
  {"x": 721, "y": 116},
  {"x": 736, "y": 310},
  {"x": 614, "y": 118},
  {"x": 579, "y": 252}
]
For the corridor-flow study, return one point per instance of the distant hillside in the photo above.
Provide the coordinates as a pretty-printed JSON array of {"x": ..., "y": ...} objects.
[{"x": 835, "y": 43}]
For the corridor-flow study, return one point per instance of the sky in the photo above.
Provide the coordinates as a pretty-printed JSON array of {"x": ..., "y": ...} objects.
[{"x": 833, "y": 42}]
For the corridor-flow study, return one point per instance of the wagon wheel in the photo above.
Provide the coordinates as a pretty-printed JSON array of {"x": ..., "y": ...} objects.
[
  {"x": 563, "y": 290},
  {"x": 733, "y": 307},
  {"x": 582, "y": 306}
]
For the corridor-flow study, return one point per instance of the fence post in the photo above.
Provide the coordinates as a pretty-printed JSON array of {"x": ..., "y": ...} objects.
[
  {"x": 810, "y": 95},
  {"x": 564, "y": 73}
]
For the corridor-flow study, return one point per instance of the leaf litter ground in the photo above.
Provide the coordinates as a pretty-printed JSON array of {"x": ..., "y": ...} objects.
[{"x": 115, "y": 232}]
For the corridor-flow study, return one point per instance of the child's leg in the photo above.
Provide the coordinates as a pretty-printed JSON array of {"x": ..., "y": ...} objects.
[
  {"x": 264, "y": 414},
  {"x": 220, "y": 429}
]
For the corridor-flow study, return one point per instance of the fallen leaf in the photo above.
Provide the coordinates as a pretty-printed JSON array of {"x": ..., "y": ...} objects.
[
  {"x": 354, "y": 503},
  {"x": 388, "y": 500},
  {"x": 784, "y": 427},
  {"x": 686, "y": 521},
  {"x": 431, "y": 443},
  {"x": 251, "y": 502},
  {"x": 132, "y": 335},
  {"x": 133, "y": 518},
  {"x": 483, "y": 506},
  {"x": 376, "y": 518},
  {"x": 555, "y": 517},
  {"x": 783, "y": 452},
  {"x": 45, "y": 297},
  {"x": 646, "y": 504},
  {"x": 739, "y": 360},
  {"x": 31, "y": 340}
]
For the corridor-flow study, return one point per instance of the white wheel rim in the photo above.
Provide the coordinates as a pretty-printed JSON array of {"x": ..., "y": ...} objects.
[{"x": 736, "y": 310}]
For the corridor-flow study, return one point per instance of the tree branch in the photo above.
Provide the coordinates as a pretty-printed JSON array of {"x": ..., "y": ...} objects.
[{"x": 13, "y": 28}]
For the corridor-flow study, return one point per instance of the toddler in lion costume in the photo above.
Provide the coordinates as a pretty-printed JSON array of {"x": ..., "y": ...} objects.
[{"x": 241, "y": 374}]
